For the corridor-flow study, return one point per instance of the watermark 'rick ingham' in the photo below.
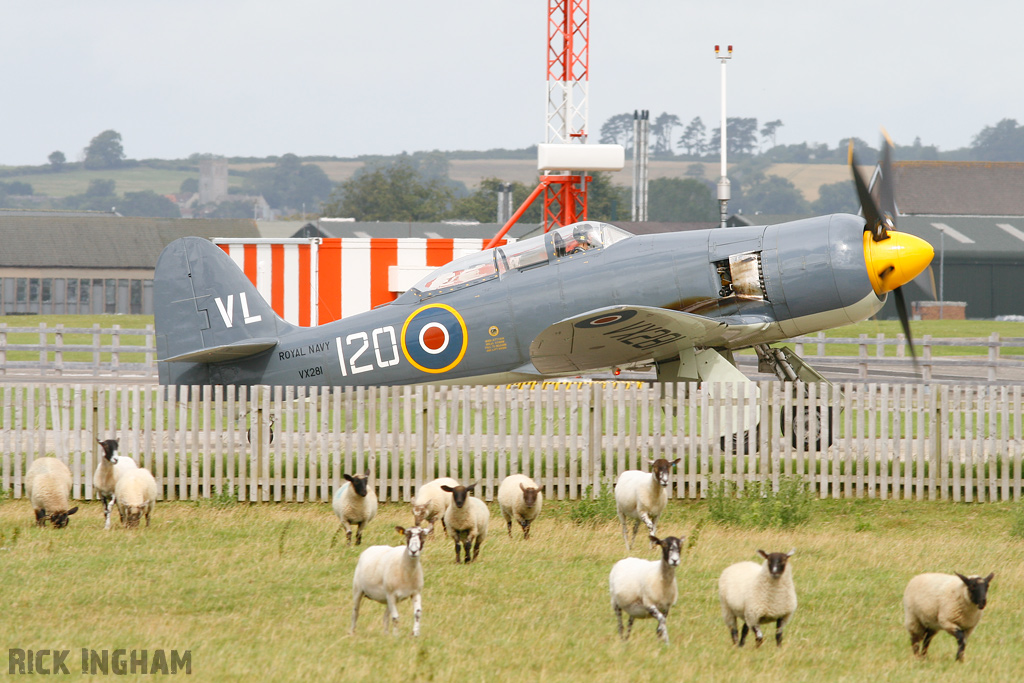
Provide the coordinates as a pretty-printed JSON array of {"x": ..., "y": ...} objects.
[{"x": 119, "y": 662}]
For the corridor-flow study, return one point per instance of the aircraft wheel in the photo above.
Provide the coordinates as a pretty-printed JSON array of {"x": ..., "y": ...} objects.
[
  {"x": 745, "y": 443},
  {"x": 809, "y": 438}
]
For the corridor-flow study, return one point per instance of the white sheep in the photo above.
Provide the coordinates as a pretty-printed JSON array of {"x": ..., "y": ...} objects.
[
  {"x": 135, "y": 495},
  {"x": 646, "y": 588},
  {"x": 390, "y": 574},
  {"x": 947, "y": 602},
  {"x": 111, "y": 468},
  {"x": 355, "y": 503},
  {"x": 521, "y": 499},
  {"x": 431, "y": 502},
  {"x": 48, "y": 485},
  {"x": 466, "y": 520},
  {"x": 758, "y": 594},
  {"x": 642, "y": 496}
]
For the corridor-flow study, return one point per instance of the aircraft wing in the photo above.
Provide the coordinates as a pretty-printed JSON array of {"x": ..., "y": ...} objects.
[{"x": 620, "y": 335}]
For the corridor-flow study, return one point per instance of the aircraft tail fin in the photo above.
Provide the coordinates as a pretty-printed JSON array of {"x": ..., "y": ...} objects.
[{"x": 207, "y": 311}]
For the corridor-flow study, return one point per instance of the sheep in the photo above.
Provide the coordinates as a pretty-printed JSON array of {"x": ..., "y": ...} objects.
[
  {"x": 758, "y": 594},
  {"x": 521, "y": 499},
  {"x": 642, "y": 496},
  {"x": 431, "y": 502},
  {"x": 135, "y": 495},
  {"x": 646, "y": 588},
  {"x": 355, "y": 503},
  {"x": 466, "y": 520},
  {"x": 390, "y": 574},
  {"x": 952, "y": 603},
  {"x": 111, "y": 468},
  {"x": 48, "y": 484}
]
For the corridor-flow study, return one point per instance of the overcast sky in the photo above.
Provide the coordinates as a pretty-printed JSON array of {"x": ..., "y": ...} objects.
[{"x": 343, "y": 78}]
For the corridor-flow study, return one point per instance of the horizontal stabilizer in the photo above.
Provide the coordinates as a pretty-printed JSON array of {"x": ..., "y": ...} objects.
[
  {"x": 225, "y": 352},
  {"x": 620, "y": 335}
]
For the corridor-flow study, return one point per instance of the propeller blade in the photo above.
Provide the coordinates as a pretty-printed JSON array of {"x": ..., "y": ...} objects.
[
  {"x": 901, "y": 310},
  {"x": 873, "y": 221},
  {"x": 886, "y": 193}
]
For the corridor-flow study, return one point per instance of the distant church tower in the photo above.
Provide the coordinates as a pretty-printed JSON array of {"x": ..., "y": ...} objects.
[{"x": 213, "y": 180}]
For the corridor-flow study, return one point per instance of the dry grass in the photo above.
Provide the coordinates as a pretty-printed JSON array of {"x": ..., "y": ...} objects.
[{"x": 258, "y": 591}]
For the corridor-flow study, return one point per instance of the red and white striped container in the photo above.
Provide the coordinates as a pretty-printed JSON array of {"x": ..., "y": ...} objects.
[{"x": 312, "y": 281}]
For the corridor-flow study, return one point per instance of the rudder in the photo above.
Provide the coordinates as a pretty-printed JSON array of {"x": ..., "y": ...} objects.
[{"x": 203, "y": 303}]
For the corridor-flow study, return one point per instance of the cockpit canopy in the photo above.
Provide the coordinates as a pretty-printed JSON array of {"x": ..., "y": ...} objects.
[{"x": 567, "y": 242}]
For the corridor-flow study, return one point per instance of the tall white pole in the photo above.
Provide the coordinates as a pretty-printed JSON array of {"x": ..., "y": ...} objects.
[{"x": 724, "y": 191}]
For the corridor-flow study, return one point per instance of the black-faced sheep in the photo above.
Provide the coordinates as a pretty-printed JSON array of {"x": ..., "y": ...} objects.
[
  {"x": 946, "y": 602},
  {"x": 520, "y": 499},
  {"x": 110, "y": 468},
  {"x": 48, "y": 485},
  {"x": 646, "y": 589},
  {"x": 355, "y": 503},
  {"x": 466, "y": 520},
  {"x": 431, "y": 502},
  {"x": 642, "y": 496},
  {"x": 758, "y": 594},
  {"x": 389, "y": 574},
  {"x": 135, "y": 496}
]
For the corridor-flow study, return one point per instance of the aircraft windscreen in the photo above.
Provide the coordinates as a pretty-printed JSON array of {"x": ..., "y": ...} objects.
[
  {"x": 462, "y": 271},
  {"x": 583, "y": 237}
]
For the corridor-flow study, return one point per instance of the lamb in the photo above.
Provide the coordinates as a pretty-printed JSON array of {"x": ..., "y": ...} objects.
[
  {"x": 642, "y": 496},
  {"x": 466, "y": 520},
  {"x": 644, "y": 589},
  {"x": 757, "y": 594},
  {"x": 521, "y": 499},
  {"x": 390, "y": 574},
  {"x": 431, "y": 502},
  {"x": 135, "y": 495},
  {"x": 952, "y": 603},
  {"x": 111, "y": 468},
  {"x": 48, "y": 484},
  {"x": 355, "y": 503}
]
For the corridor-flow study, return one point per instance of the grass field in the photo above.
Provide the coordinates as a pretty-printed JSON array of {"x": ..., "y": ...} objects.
[
  {"x": 258, "y": 592},
  {"x": 806, "y": 177}
]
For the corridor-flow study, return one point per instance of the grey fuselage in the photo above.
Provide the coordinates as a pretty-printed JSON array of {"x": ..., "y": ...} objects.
[{"x": 803, "y": 276}]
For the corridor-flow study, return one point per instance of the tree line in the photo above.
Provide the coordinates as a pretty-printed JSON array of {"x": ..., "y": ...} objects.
[{"x": 417, "y": 187}]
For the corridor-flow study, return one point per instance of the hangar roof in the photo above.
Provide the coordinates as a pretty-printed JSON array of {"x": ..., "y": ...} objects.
[
  {"x": 959, "y": 188},
  {"x": 102, "y": 241},
  {"x": 394, "y": 229}
]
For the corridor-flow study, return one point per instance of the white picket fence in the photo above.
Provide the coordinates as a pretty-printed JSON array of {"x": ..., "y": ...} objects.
[{"x": 890, "y": 441}]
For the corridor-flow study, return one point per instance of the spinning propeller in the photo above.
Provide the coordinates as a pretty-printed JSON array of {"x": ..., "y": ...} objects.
[{"x": 893, "y": 258}]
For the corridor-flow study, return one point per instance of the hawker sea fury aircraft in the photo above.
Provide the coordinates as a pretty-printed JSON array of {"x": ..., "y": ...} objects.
[{"x": 578, "y": 299}]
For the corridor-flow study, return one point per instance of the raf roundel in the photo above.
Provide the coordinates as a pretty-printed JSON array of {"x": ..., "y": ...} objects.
[
  {"x": 434, "y": 338},
  {"x": 606, "y": 319}
]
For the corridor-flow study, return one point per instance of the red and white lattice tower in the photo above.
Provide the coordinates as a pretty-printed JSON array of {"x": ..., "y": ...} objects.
[
  {"x": 563, "y": 159},
  {"x": 568, "y": 66},
  {"x": 568, "y": 106}
]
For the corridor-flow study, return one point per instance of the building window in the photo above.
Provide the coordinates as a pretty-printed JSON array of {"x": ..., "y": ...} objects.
[
  {"x": 47, "y": 290},
  {"x": 21, "y": 291},
  {"x": 33, "y": 290},
  {"x": 136, "y": 297},
  {"x": 83, "y": 293},
  {"x": 111, "y": 297}
]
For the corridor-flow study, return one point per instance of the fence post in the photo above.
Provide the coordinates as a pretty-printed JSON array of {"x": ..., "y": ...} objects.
[
  {"x": 43, "y": 359},
  {"x": 926, "y": 358},
  {"x": 993, "y": 356},
  {"x": 862, "y": 354},
  {"x": 96, "y": 349},
  {"x": 115, "y": 352},
  {"x": 58, "y": 354}
]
